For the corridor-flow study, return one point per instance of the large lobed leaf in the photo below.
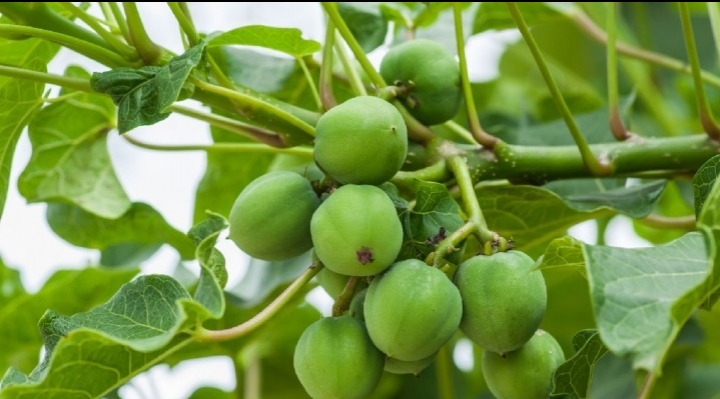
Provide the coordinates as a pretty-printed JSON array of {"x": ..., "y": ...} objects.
[
  {"x": 140, "y": 225},
  {"x": 70, "y": 160},
  {"x": 144, "y": 323}
]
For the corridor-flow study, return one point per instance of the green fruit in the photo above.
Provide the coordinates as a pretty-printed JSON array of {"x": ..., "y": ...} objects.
[
  {"x": 361, "y": 141},
  {"x": 525, "y": 373},
  {"x": 335, "y": 359},
  {"x": 270, "y": 219},
  {"x": 295, "y": 163},
  {"x": 504, "y": 300},
  {"x": 357, "y": 305},
  {"x": 412, "y": 310},
  {"x": 356, "y": 231},
  {"x": 414, "y": 367},
  {"x": 430, "y": 74},
  {"x": 333, "y": 283}
]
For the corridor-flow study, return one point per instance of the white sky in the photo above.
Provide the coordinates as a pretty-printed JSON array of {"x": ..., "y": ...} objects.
[{"x": 167, "y": 180}]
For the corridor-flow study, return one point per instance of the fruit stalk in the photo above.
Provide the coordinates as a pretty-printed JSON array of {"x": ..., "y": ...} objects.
[
  {"x": 342, "y": 302},
  {"x": 616, "y": 124},
  {"x": 471, "y": 205}
]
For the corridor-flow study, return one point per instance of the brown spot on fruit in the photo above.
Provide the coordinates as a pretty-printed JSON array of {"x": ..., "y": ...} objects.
[{"x": 365, "y": 255}]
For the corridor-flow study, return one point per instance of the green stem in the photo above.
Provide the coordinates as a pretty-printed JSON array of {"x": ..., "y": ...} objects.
[
  {"x": 39, "y": 15},
  {"x": 416, "y": 130},
  {"x": 687, "y": 223},
  {"x": 706, "y": 117},
  {"x": 450, "y": 243},
  {"x": 444, "y": 373},
  {"x": 264, "y": 315},
  {"x": 342, "y": 302},
  {"x": 326, "y": 69},
  {"x": 239, "y": 376},
  {"x": 231, "y": 125},
  {"x": 481, "y": 136},
  {"x": 545, "y": 163},
  {"x": 256, "y": 108},
  {"x": 465, "y": 183},
  {"x": 62, "y": 81},
  {"x": 437, "y": 172},
  {"x": 110, "y": 20},
  {"x": 616, "y": 124},
  {"x": 150, "y": 52},
  {"x": 90, "y": 50},
  {"x": 311, "y": 82},
  {"x": 252, "y": 148},
  {"x": 341, "y": 26},
  {"x": 595, "y": 32},
  {"x": 602, "y": 225},
  {"x": 356, "y": 83},
  {"x": 121, "y": 48},
  {"x": 714, "y": 14},
  {"x": 460, "y": 131},
  {"x": 121, "y": 21},
  {"x": 647, "y": 386},
  {"x": 185, "y": 24},
  {"x": 595, "y": 167}
]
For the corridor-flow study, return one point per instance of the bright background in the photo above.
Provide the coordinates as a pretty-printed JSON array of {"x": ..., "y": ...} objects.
[{"x": 167, "y": 180}]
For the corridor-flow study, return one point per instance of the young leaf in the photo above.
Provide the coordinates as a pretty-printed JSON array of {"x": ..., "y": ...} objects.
[
  {"x": 286, "y": 40},
  {"x": 79, "y": 290},
  {"x": 642, "y": 297},
  {"x": 709, "y": 224},
  {"x": 213, "y": 275},
  {"x": 703, "y": 181},
  {"x": 496, "y": 16},
  {"x": 564, "y": 252},
  {"x": 139, "y": 327},
  {"x": 70, "y": 160},
  {"x": 366, "y": 22},
  {"x": 141, "y": 224},
  {"x": 572, "y": 379},
  {"x": 144, "y": 95}
]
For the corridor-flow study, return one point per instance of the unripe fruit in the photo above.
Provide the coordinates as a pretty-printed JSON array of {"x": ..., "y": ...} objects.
[
  {"x": 430, "y": 74},
  {"x": 412, "y": 310},
  {"x": 504, "y": 300},
  {"x": 333, "y": 283},
  {"x": 270, "y": 219},
  {"x": 335, "y": 359},
  {"x": 356, "y": 231},
  {"x": 525, "y": 373},
  {"x": 361, "y": 141},
  {"x": 414, "y": 367},
  {"x": 357, "y": 305}
]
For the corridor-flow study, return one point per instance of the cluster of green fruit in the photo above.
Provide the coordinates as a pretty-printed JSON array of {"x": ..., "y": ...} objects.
[{"x": 409, "y": 310}]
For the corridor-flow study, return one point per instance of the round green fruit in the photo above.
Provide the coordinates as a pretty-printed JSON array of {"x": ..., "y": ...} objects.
[
  {"x": 414, "y": 367},
  {"x": 356, "y": 231},
  {"x": 333, "y": 283},
  {"x": 361, "y": 141},
  {"x": 295, "y": 163},
  {"x": 412, "y": 310},
  {"x": 270, "y": 219},
  {"x": 431, "y": 76},
  {"x": 504, "y": 300},
  {"x": 335, "y": 359},
  {"x": 357, "y": 305},
  {"x": 525, "y": 373}
]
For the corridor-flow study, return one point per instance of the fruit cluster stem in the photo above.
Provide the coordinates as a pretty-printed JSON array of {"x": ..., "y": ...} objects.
[
  {"x": 460, "y": 170},
  {"x": 264, "y": 315},
  {"x": 342, "y": 302}
]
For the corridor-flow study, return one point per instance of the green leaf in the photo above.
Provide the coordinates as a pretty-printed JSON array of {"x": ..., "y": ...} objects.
[
  {"x": 213, "y": 275},
  {"x": 642, "y": 297},
  {"x": 70, "y": 160},
  {"x": 141, "y": 224},
  {"x": 286, "y": 40},
  {"x": 572, "y": 379},
  {"x": 67, "y": 291},
  {"x": 211, "y": 393},
  {"x": 139, "y": 327},
  {"x": 366, "y": 22},
  {"x": 19, "y": 100},
  {"x": 127, "y": 254},
  {"x": 496, "y": 15},
  {"x": 10, "y": 283},
  {"x": 703, "y": 182},
  {"x": 709, "y": 225},
  {"x": 433, "y": 215},
  {"x": 531, "y": 215},
  {"x": 144, "y": 95},
  {"x": 563, "y": 252},
  {"x": 435, "y": 21},
  {"x": 635, "y": 201},
  {"x": 263, "y": 277},
  {"x": 226, "y": 175}
]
